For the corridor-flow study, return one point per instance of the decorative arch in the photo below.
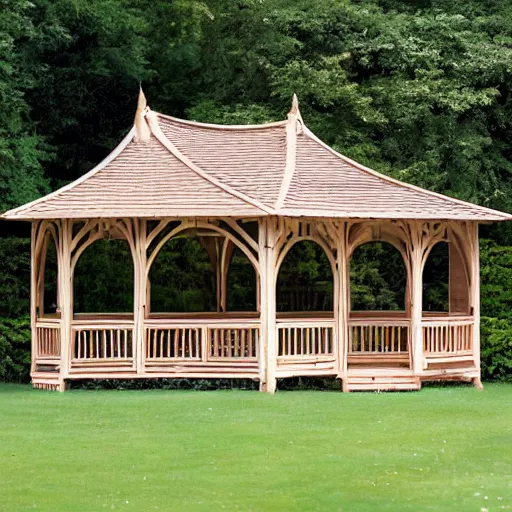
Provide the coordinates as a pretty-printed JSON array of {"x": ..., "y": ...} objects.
[
  {"x": 182, "y": 278},
  {"x": 233, "y": 263},
  {"x": 457, "y": 279},
  {"x": 191, "y": 225},
  {"x": 83, "y": 235},
  {"x": 47, "y": 237},
  {"x": 396, "y": 296},
  {"x": 330, "y": 264},
  {"x": 295, "y": 240},
  {"x": 361, "y": 233}
]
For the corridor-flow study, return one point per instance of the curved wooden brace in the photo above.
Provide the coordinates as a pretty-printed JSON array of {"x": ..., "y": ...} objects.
[
  {"x": 155, "y": 232},
  {"x": 205, "y": 225},
  {"x": 431, "y": 244},
  {"x": 44, "y": 231},
  {"x": 225, "y": 258},
  {"x": 40, "y": 236},
  {"x": 126, "y": 230},
  {"x": 88, "y": 226},
  {"x": 247, "y": 238},
  {"x": 92, "y": 238}
]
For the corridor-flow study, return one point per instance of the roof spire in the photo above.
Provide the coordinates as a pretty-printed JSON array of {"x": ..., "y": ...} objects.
[
  {"x": 142, "y": 132},
  {"x": 294, "y": 114},
  {"x": 295, "y": 105}
]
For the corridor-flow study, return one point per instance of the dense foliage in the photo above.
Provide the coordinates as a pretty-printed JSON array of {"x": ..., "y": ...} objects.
[{"x": 418, "y": 90}]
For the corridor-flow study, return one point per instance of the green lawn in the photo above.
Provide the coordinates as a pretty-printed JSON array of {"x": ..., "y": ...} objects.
[{"x": 439, "y": 449}]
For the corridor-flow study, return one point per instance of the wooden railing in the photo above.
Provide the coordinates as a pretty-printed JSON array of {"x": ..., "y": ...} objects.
[
  {"x": 306, "y": 344},
  {"x": 447, "y": 336},
  {"x": 379, "y": 338},
  {"x": 305, "y": 337},
  {"x": 102, "y": 342},
  {"x": 47, "y": 340},
  {"x": 233, "y": 342},
  {"x": 206, "y": 340},
  {"x": 378, "y": 335},
  {"x": 173, "y": 342}
]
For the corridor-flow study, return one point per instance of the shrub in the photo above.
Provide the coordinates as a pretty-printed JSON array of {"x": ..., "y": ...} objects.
[
  {"x": 15, "y": 349},
  {"x": 496, "y": 349}
]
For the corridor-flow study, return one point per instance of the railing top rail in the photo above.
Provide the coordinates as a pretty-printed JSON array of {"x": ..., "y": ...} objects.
[
  {"x": 110, "y": 316},
  {"x": 102, "y": 323},
  {"x": 306, "y": 323},
  {"x": 403, "y": 322},
  {"x": 295, "y": 315},
  {"x": 205, "y": 315},
  {"x": 447, "y": 319},
  {"x": 306, "y": 318},
  {"x": 233, "y": 323},
  {"x": 441, "y": 314},
  {"x": 377, "y": 314},
  {"x": 50, "y": 322}
]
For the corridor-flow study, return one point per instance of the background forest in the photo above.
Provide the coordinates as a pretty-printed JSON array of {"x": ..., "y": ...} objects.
[{"x": 420, "y": 90}]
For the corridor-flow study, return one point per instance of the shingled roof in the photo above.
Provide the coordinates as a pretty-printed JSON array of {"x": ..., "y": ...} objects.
[{"x": 169, "y": 167}]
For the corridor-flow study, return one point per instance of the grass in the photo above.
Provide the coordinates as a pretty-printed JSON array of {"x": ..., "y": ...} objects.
[{"x": 440, "y": 449}]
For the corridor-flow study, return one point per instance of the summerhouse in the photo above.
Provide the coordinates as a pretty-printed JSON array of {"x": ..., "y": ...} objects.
[{"x": 258, "y": 189}]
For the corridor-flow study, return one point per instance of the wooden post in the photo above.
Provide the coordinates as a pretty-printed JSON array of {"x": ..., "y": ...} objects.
[
  {"x": 343, "y": 302},
  {"x": 475, "y": 299},
  {"x": 140, "y": 290},
  {"x": 34, "y": 290},
  {"x": 268, "y": 345},
  {"x": 416, "y": 254},
  {"x": 65, "y": 283}
]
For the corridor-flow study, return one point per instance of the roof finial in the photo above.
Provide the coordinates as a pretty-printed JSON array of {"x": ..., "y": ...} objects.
[
  {"x": 294, "y": 114},
  {"x": 142, "y": 131},
  {"x": 295, "y": 105}
]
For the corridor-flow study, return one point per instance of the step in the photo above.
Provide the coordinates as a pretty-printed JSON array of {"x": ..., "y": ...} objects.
[
  {"x": 382, "y": 379},
  {"x": 47, "y": 381}
]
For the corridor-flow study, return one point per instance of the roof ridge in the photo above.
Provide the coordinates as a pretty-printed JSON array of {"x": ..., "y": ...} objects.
[
  {"x": 160, "y": 136},
  {"x": 117, "y": 151},
  {"x": 389, "y": 179},
  {"x": 227, "y": 127},
  {"x": 292, "y": 128}
]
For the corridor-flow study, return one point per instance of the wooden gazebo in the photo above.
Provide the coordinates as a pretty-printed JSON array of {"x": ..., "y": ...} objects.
[{"x": 261, "y": 189}]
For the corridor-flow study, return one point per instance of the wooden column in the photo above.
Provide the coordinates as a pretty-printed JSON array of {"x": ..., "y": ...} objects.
[
  {"x": 34, "y": 291},
  {"x": 65, "y": 283},
  {"x": 140, "y": 291},
  {"x": 268, "y": 342},
  {"x": 475, "y": 298},
  {"x": 343, "y": 301},
  {"x": 416, "y": 255}
]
